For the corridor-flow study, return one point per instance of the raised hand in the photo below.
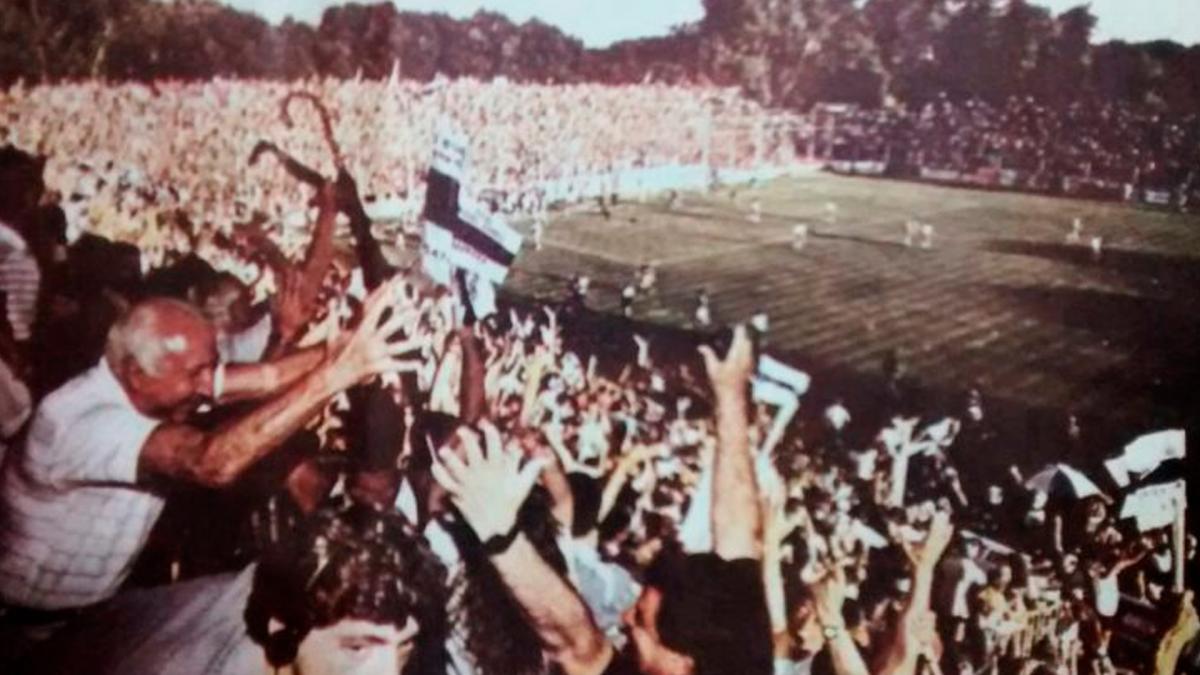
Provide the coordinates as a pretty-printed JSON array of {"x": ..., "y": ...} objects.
[
  {"x": 367, "y": 350},
  {"x": 289, "y": 304},
  {"x": 486, "y": 481},
  {"x": 346, "y": 190},
  {"x": 643, "y": 351},
  {"x": 734, "y": 370},
  {"x": 926, "y": 554},
  {"x": 829, "y": 594},
  {"x": 1188, "y": 622}
]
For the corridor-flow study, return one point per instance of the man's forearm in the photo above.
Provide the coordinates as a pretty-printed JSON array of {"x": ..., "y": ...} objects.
[
  {"x": 471, "y": 395},
  {"x": 905, "y": 648},
  {"x": 845, "y": 655},
  {"x": 375, "y": 267},
  {"x": 557, "y": 613},
  {"x": 776, "y": 598},
  {"x": 233, "y": 448},
  {"x": 320, "y": 255},
  {"x": 260, "y": 380},
  {"x": 736, "y": 520}
]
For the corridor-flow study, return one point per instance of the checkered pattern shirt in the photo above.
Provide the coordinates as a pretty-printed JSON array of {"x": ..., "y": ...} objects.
[
  {"x": 72, "y": 517},
  {"x": 20, "y": 279}
]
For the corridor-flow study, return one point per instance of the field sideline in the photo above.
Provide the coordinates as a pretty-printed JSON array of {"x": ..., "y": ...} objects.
[{"x": 1001, "y": 300}]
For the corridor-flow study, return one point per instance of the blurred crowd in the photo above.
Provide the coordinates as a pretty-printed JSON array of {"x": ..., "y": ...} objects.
[
  {"x": 1115, "y": 147},
  {"x": 367, "y": 477},
  {"x": 131, "y": 155}
]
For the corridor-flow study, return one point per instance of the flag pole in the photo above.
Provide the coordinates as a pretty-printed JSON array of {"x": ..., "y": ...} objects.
[{"x": 1179, "y": 534}]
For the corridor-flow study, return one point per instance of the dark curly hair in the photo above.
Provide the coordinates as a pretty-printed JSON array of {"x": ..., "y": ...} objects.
[{"x": 349, "y": 562}]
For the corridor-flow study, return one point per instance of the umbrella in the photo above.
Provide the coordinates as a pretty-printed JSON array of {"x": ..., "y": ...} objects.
[{"x": 1060, "y": 480}]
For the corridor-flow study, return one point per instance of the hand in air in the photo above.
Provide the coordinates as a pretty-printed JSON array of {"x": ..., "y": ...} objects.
[
  {"x": 734, "y": 370},
  {"x": 487, "y": 481},
  {"x": 925, "y": 554},
  {"x": 368, "y": 350}
]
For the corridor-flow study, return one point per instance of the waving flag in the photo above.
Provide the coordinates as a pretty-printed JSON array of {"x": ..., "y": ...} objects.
[{"x": 459, "y": 232}]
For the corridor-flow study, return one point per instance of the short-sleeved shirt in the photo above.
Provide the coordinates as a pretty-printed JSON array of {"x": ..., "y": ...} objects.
[
  {"x": 192, "y": 627},
  {"x": 72, "y": 516},
  {"x": 20, "y": 279}
]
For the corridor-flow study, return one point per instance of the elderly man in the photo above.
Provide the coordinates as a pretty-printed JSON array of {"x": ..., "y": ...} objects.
[{"x": 79, "y": 498}]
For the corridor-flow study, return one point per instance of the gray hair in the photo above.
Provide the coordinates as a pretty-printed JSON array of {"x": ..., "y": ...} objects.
[{"x": 138, "y": 334}]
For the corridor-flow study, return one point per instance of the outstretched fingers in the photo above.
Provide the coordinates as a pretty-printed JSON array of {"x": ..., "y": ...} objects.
[
  {"x": 472, "y": 447},
  {"x": 445, "y": 476},
  {"x": 379, "y": 300}
]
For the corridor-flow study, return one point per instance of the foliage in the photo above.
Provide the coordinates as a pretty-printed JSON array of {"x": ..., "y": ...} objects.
[{"x": 790, "y": 53}]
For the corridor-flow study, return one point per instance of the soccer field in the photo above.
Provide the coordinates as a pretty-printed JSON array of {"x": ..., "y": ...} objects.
[{"x": 1001, "y": 300}]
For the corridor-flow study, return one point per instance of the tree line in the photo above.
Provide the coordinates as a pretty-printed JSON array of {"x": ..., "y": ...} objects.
[{"x": 791, "y": 53}]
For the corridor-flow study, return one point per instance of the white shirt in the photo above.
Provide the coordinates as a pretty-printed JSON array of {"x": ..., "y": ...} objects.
[
  {"x": 75, "y": 518},
  {"x": 248, "y": 346},
  {"x": 180, "y": 629},
  {"x": 1108, "y": 595},
  {"x": 20, "y": 279}
]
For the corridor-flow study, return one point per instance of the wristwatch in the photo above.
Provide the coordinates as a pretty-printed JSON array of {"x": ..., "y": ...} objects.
[
  {"x": 499, "y": 543},
  {"x": 831, "y": 632}
]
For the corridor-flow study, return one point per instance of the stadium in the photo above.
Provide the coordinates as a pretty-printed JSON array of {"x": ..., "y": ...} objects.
[
  {"x": 792, "y": 337},
  {"x": 1002, "y": 301}
]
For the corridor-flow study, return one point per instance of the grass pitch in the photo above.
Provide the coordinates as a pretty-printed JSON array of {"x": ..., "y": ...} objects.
[{"x": 1001, "y": 300}]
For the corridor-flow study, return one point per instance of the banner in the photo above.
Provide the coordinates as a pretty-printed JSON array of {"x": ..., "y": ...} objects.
[
  {"x": 459, "y": 231},
  {"x": 1158, "y": 197},
  {"x": 483, "y": 243},
  {"x": 864, "y": 167},
  {"x": 1155, "y": 506},
  {"x": 944, "y": 175},
  {"x": 1146, "y": 453},
  {"x": 773, "y": 369}
]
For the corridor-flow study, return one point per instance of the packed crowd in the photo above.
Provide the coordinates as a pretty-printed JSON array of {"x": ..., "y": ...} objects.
[
  {"x": 424, "y": 491},
  {"x": 133, "y": 155},
  {"x": 1109, "y": 145}
]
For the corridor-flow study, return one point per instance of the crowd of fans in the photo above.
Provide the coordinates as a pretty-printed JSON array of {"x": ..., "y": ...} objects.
[
  {"x": 407, "y": 487},
  {"x": 134, "y": 154},
  {"x": 1109, "y": 149}
]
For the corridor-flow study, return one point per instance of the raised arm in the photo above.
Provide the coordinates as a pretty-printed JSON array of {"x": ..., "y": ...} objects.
[
  {"x": 1186, "y": 627},
  {"x": 218, "y": 458},
  {"x": 488, "y": 484},
  {"x": 736, "y": 521},
  {"x": 776, "y": 527},
  {"x": 914, "y": 635},
  {"x": 255, "y": 381},
  {"x": 829, "y": 594},
  {"x": 376, "y": 268},
  {"x": 472, "y": 397},
  {"x": 319, "y": 256}
]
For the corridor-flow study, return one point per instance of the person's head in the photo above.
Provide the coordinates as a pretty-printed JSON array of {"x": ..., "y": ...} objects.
[
  {"x": 975, "y": 405},
  {"x": 163, "y": 352},
  {"x": 680, "y": 623},
  {"x": 995, "y": 495},
  {"x": 21, "y": 184},
  {"x": 1000, "y": 577},
  {"x": 225, "y": 301},
  {"x": 971, "y": 548},
  {"x": 1096, "y": 513},
  {"x": 354, "y": 591}
]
